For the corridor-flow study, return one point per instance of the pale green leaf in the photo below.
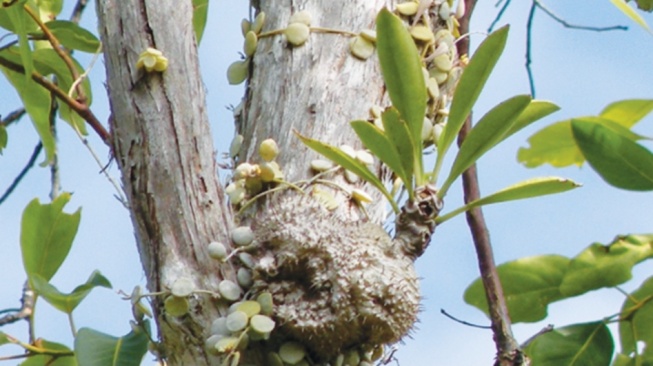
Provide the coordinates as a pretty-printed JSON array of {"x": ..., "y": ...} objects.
[
  {"x": 619, "y": 160},
  {"x": 488, "y": 132},
  {"x": 536, "y": 110},
  {"x": 67, "y": 302},
  {"x": 575, "y": 345},
  {"x": 46, "y": 236},
  {"x": 20, "y": 24},
  {"x": 37, "y": 102},
  {"x": 630, "y": 13},
  {"x": 200, "y": 11},
  {"x": 604, "y": 265},
  {"x": 66, "y": 358},
  {"x": 554, "y": 144},
  {"x": 627, "y": 112},
  {"x": 402, "y": 72},
  {"x": 375, "y": 140},
  {"x": 341, "y": 158},
  {"x": 530, "y": 188},
  {"x": 93, "y": 348},
  {"x": 49, "y": 8},
  {"x": 529, "y": 285},
  {"x": 469, "y": 88},
  {"x": 400, "y": 136},
  {"x": 637, "y": 317},
  {"x": 72, "y": 36},
  {"x": 4, "y": 138}
]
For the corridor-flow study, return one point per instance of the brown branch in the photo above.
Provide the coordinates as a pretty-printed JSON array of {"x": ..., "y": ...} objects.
[
  {"x": 21, "y": 175},
  {"x": 80, "y": 108},
  {"x": 508, "y": 352},
  {"x": 14, "y": 116},
  {"x": 59, "y": 50}
]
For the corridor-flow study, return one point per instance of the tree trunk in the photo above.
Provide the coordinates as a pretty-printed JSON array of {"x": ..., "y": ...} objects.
[
  {"x": 163, "y": 145},
  {"x": 340, "y": 284}
]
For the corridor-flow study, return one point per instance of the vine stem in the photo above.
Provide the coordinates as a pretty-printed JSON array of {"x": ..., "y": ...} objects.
[{"x": 508, "y": 351}]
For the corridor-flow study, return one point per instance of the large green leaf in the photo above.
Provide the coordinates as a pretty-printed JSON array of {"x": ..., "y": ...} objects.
[
  {"x": 575, "y": 345},
  {"x": 488, "y": 132},
  {"x": 93, "y": 348},
  {"x": 630, "y": 13},
  {"x": 8, "y": 21},
  {"x": 619, "y": 160},
  {"x": 380, "y": 145},
  {"x": 37, "y": 103},
  {"x": 536, "y": 110},
  {"x": 341, "y": 158},
  {"x": 402, "y": 72},
  {"x": 469, "y": 88},
  {"x": 627, "y": 112},
  {"x": 46, "y": 236},
  {"x": 49, "y": 9},
  {"x": 605, "y": 265},
  {"x": 526, "y": 189},
  {"x": 72, "y": 36},
  {"x": 51, "y": 360},
  {"x": 635, "y": 325},
  {"x": 529, "y": 285},
  {"x": 20, "y": 24},
  {"x": 200, "y": 11},
  {"x": 67, "y": 302}
]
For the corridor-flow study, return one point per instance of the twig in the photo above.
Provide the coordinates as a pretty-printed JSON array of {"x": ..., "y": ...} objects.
[
  {"x": 444, "y": 312},
  {"x": 13, "y": 117},
  {"x": 508, "y": 352},
  {"x": 80, "y": 108},
  {"x": 499, "y": 15},
  {"x": 55, "y": 178},
  {"x": 573, "y": 26},
  {"x": 529, "y": 36},
  {"x": 22, "y": 174},
  {"x": 26, "y": 309},
  {"x": 76, "y": 15}
]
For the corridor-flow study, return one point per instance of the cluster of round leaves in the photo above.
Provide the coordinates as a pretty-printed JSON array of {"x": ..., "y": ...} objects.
[
  {"x": 239, "y": 70},
  {"x": 250, "y": 179}
]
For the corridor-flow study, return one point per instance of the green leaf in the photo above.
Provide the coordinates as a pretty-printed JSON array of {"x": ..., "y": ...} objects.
[
  {"x": 72, "y": 36},
  {"x": 67, "y": 359},
  {"x": 630, "y": 13},
  {"x": 20, "y": 23},
  {"x": 536, "y": 110},
  {"x": 67, "y": 302},
  {"x": 488, "y": 132},
  {"x": 554, "y": 144},
  {"x": 37, "y": 103},
  {"x": 50, "y": 8},
  {"x": 4, "y": 138},
  {"x": 200, "y": 11},
  {"x": 574, "y": 345},
  {"x": 469, "y": 88},
  {"x": 605, "y": 265},
  {"x": 93, "y": 348},
  {"x": 645, "y": 5},
  {"x": 3, "y": 338},
  {"x": 399, "y": 134},
  {"x": 636, "y": 320},
  {"x": 46, "y": 236},
  {"x": 535, "y": 187},
  {"x": 529, "y": 285},
  {"x": 619, "y": 160},
  {"x": 341, "y": 158},
  {"x": 627, "y": 112},
  {"x": 380, "y": 145},
  {"x": 402, "y": 72}
]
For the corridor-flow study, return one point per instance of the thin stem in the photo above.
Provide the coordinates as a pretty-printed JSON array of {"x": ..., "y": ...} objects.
[
  {"x": 76, "y": 15},
  {"x": 499, "y": 15},
  {"x": 80, "y": 108},
  {"x": 508, "y": 352},
  {"x": 23, "y": 172},
  {"x": 573, "y": 26},
  {"x": 529, "y": 36},
  {"x": 14, "y": 116},
  {"x": 71, "y": 323}
]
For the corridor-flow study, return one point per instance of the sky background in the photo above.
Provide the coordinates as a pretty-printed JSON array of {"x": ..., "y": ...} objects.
[{"x": 580, "y": 71}]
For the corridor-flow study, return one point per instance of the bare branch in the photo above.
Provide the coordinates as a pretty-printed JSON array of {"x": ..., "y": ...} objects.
[
  {"x": 76, "y": 15},
  {"x": 499, "y": 15},
  {"x": 25, "y": 311},
  {"x": 529, "y": 38},
  {"x": 573, "y": 26},
  {"x": 14, "y": 116},
  {"x": 22, "y": 174},
  {"x": 444, "y": 312},
  {"x": 508, "y": 352}
]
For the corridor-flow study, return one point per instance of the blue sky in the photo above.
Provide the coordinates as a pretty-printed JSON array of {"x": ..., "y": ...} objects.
[{"x": 578, "y": 70}]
